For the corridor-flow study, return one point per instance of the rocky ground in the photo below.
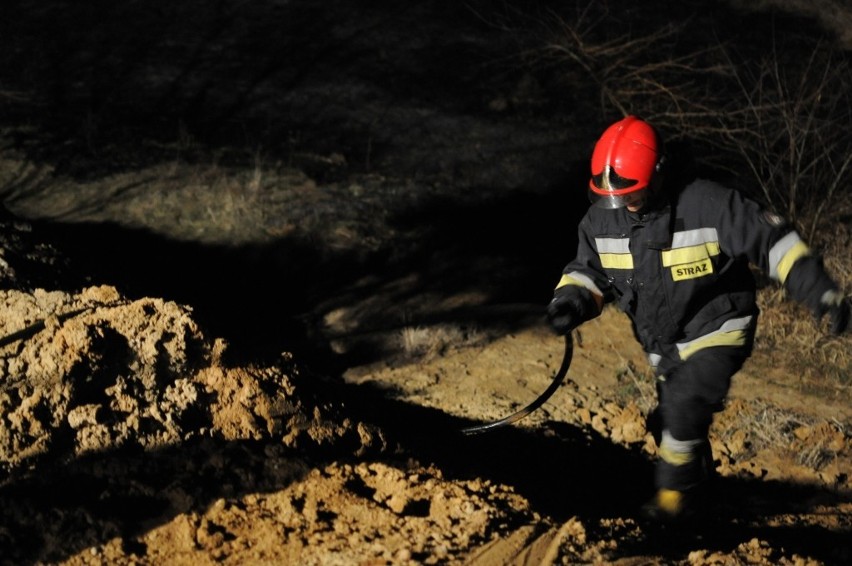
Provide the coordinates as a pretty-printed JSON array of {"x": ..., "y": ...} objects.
[{"x": 264, "y": 351}]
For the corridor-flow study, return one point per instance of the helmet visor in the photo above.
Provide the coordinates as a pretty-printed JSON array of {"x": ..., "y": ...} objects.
[
  {"x": 610, "y": 190},
  {"x": 609, "y": 181},
  {"x": 611, "y": 201}
]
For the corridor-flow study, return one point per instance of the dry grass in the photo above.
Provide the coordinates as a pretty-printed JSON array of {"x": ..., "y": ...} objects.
[
  {"x": 790, "y": 337},
  {"x": 818, "y": 364},
  {"x": 755, "y": 425},
  {"x": 816, "y": 455},
  {"x": 637, "y": 386},
  {"x": 749, "y": 427},
  {"x": 202, "y": 202},
  {"x": 429, "y": 341}
]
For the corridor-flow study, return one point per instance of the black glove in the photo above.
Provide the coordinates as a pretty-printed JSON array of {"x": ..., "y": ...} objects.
[
  {"x": 570, "y": 307},
  {"x": 837, "y": 307}
]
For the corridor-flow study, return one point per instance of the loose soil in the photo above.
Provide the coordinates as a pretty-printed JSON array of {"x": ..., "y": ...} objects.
[
  {"x": 266, "y": 354},
  {"x": 128, "y": 437}
]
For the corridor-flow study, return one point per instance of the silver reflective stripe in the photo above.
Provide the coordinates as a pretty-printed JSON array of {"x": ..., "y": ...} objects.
[
  {"x": 654, "y": 360},
  {"x": 613, "y": 245},
  {"x": 679, "y": 446},
  {"x": 728, "y": 326},
  {"x": 678, "y": 452},
  {"x": 694, "y": 237},
  {"x": 585, "y": 281},
  {"x": 779, "y": 250}
]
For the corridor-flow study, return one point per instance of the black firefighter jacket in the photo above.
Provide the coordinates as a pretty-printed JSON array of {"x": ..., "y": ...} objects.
[{"x": 682, "y": 272}]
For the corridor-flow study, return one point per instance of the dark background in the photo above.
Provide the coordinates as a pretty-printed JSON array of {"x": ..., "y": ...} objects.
[{"x": 470, "y": 137}]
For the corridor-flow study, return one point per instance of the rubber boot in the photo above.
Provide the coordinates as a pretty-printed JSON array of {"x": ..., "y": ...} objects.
[
  {"x": 667, "y": 505},
  {"x": 687, "y": 503}
]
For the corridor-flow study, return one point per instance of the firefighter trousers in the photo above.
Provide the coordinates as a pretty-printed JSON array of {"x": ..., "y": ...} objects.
[{"x": 688, "y": 396}]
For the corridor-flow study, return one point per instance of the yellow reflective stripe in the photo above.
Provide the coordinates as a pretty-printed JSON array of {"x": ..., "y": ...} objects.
[
  {"x": 690, "y": 254},
  {"x": 730, "y": 338},
  {"x": 614, "y": 253},
  {"x": 677, "y": 452},
  {"x": 784, "y": 254},
  {"x": 733, "y": 332},
  {"x": 674, "y": 458},
  {"x": 566, "y": 280},
  {"x": 616, "y": 261},
  {"x": 580, "y": 280},
  {"x": 796, "y": 252}
]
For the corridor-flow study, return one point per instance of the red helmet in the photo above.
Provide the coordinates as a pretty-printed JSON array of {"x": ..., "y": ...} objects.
[{"x": 624, "y": 160}]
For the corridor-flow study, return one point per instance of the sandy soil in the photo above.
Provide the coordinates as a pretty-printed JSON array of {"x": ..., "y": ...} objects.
[
  {"x": 126, "y": 439},
  {"x": 268, "y": 260}
]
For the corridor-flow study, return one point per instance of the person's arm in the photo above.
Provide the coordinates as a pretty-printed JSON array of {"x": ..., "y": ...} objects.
[
  {"x": 581, "y": 291},
  {"x": 774, "y": 246}
]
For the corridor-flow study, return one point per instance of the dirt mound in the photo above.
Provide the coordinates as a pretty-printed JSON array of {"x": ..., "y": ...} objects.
[
  {"x": 103, "y": 373},
  {"x": 120, "y": 418}
]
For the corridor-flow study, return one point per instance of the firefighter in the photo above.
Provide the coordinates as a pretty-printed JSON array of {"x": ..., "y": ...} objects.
[{"x": 675, "y": 258}]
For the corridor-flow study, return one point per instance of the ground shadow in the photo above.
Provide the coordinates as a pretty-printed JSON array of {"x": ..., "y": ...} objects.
[
  {"x": 269, "y": 297},
  {"x": 266, "y": 298},
  {"x": 567, "y": 471},
  {"x": 74, "y": 505},
  {"x": 259, "y": 298},
  {"x": 564, "y": 471},
  {"x": 743, "y": 510}
]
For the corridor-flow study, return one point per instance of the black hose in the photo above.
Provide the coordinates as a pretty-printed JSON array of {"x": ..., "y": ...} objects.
[
  {"x": 36, "y": 327},
  {"x": 539, "y": 401},
  {"x": 39, "y": 325}
]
